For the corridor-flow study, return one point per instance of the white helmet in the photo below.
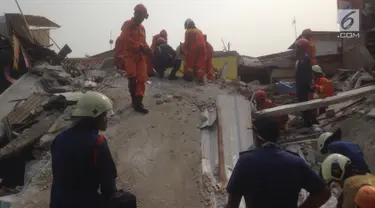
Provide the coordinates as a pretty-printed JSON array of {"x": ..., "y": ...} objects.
[
  {"x": 317, "y": 69},
  {"x": 92, "y": 104},
  {"x": 334, "y": 166},
  {"x": 322, "y": 140}
]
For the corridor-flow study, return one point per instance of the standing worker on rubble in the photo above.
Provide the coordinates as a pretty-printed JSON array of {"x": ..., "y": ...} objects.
[
  {"x": 338, "y": 168},
  {"x": 304, "y": 78},
  {"x": 81, "y": 159},
  {"x": 194, "y": 50},
  {"x": 270, "y": 176},
  {"x": 209, "y": 67},
  {"x": 329, "y": 143},
  {"x": 311, "y": 49},
  {"x": 118, "y": 54},
  {"x": 136, "y": 51}
]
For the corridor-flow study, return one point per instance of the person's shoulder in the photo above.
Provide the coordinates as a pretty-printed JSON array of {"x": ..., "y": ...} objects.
[{"x": 127, "y": 24}]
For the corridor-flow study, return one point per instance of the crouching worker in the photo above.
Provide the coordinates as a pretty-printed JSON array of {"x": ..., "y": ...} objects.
[
  {"x": 338, "y": 168},
  {"x": 323, "y": 87},
  {"x": 270, "y": 176},
  {"x": 165, "y": 57},
  {"x": 263, "y": 103},
  {"x": 81, "y": 160},
  {"x": 329, "y": 143}
]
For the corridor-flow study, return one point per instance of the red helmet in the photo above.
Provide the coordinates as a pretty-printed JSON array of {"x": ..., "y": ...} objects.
[
  {"x": 141, "y": 9},
  {"x": 307, "y": 33},
  {"x": 260, "y": 95},
  {"x": 164, "y": 34},
  {"x": 302, "y": 43},
  {"x": 160, "y": 41}
]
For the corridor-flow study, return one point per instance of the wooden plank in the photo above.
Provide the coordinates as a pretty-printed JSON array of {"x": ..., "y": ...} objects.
[
  {"x": 222, "y": 174},
  {"x": 317, "y": 103}
]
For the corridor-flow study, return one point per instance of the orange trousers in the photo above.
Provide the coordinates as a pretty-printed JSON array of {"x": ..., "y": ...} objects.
[
  {"x": 137, "y": 67},
  {"x": 150, "y": 66},
  {"x": 211, "y": 73},
  {"x": 195, "y": 64}
]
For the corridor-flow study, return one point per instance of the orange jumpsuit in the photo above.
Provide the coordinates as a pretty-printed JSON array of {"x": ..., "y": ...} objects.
[
  {"x": 209, "y": 67},
  {"x": 118, "y": 55},
  {"x": 311, "y": 51},
  {"x": 282, "y": 120},
  {"x": 194, "y": 50},
  {"x": 133, "y": 37},
  {"x": 324, "y": 87}
]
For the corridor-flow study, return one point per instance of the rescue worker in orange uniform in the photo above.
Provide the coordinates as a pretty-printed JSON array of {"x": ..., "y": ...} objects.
[
  {"x": 209, "y": 67},
  {"x": 118, "y": 55},
  {"x": 263, "y": 103},
  {"x": 136, "y": 51},
  {"x": 194, "y": 50},
  {"x": 323, "y": 87},
  {"x": 311, "y": 49}
]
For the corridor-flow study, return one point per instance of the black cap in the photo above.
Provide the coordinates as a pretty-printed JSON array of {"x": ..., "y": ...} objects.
[{"x": 267, "y": 127}]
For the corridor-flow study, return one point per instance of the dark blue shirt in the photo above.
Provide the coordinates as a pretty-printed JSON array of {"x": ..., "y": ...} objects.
[
  {"x": 270, "y": 177},
  {"x": 76, "y": 177},
  {"x": 304, "y": 77},
  {"x": 350, "y": 150}
]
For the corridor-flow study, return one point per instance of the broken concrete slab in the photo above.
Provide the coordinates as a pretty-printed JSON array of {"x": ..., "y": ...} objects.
[
  {"x": 317, "y": 103},
  {"x": 28, "y": 137},
  {"x": 21, "y": 89}
]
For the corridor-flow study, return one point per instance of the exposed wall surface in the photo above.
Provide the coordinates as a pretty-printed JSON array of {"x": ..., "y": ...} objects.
[
  {"x": 41, "y": 36},
  {"x": 218, "y": 63}
]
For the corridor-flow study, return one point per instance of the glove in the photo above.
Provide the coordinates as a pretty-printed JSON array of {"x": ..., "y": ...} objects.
[{"x": 146, "y": 51}]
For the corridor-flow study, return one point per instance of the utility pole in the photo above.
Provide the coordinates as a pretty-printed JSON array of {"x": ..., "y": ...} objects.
[
  {"x": 294, "y": 23},
  {"x": 110, "y": 40},
  {"x": 27, "y": 24}
]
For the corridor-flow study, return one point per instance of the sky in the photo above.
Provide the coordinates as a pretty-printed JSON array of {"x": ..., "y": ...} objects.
[{"x": 253, "y": 27}]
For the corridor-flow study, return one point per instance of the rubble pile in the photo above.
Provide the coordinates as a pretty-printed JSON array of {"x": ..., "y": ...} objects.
[{"x": 28, "y": 130}]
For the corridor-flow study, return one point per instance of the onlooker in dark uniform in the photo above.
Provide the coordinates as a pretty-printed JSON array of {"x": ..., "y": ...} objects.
[
  {"x": 81, "y": 160},
  {"x": 271, "y": 177}
]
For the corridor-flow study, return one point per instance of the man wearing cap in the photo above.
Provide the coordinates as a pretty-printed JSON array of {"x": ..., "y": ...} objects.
[
  {"x": 270, "y": 176},
  {"x": 136, "y": 51}
]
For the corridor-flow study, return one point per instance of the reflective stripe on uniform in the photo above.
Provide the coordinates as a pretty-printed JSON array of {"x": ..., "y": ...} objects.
[{"x": 100, "y": 140}]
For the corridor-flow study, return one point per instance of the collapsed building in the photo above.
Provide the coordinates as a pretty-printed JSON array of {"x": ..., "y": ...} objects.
[{"x": 25, "y": 40}]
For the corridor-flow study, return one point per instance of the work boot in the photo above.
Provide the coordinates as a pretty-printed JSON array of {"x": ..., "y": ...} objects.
[
  {"x": 139, "y": 107},
  {"x": 172, "y": 77},
  {"x": 188, "y": 78},
  {"x": 132, "y": 84}
]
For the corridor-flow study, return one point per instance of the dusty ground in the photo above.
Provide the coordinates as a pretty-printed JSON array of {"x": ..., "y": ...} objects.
[{"x": 158, "y": 155}]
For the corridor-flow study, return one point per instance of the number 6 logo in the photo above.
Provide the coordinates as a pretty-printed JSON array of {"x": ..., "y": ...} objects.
[{"x": 347, "y": 21}]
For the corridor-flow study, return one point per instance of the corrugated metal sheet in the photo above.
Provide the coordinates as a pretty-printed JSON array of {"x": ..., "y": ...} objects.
[
  {"x": 20, "y": 113},
  {"x": 250, "y": 62},
  {"x": 237, "y": 136}
]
